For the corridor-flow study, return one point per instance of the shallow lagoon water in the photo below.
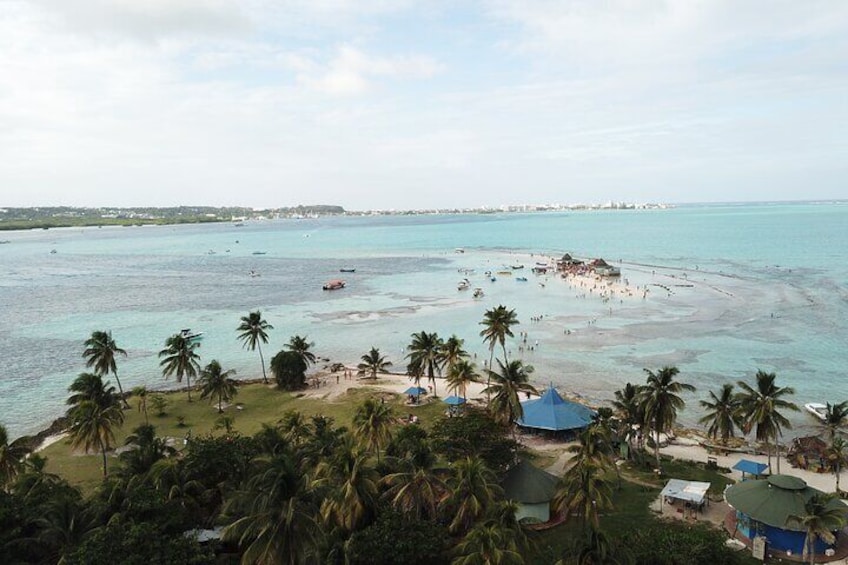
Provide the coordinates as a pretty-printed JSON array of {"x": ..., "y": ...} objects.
[{"x": 749, "y": 286}]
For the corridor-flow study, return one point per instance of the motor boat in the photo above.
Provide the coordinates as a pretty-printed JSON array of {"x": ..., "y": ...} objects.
[
  {"x": 464, "y": 284},
  {"x": 478, "y": 293},
  {"x": 335, "y": 284},
  {"x": 817, "y": 409},
  {"x": 189, "y": 335}
]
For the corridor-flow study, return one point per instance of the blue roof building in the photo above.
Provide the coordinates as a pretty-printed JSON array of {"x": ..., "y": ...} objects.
[{"x": 552, "y": 412}]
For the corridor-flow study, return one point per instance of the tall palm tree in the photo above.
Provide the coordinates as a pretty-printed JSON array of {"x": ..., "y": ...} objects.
[
  {"x": 628, "y": 409},
  {"x": 253, "y": 332},
  {"x": 723, "y": 413},
  {"x": 351, "y": 481},
  {"x": 277, "y": 514},
  {"x": 88, "y": 386},
  {"x": 214, "y": 381},
  {"x": 425, "y": 353},
  {"x": 837, "y": 456},
  {"x": 507, "y": 385},
  {"x": 661, "y": 402},
  {"x": 100, "y": 351},
  {"x": 148, "y": 449},
  {"x": 140, "y": 392},
  {"x": 460, "y": 376},
  {"x": 12, "y": 456},
  {"x": 835, "y": 417},
  {"x": 472, "y": 489},
  {"x": 453, "y": 352},
  {"x": 760, "y": 409},
  {"x": 416, "y": 489},
  {"x": 180, "y": 359},
  {"x": 373, "y": 425},
  {"x": 373, "y": 363},
  {"x": 302, "y": 347},
  {"x": 497, "y": 326},
  {"x": 823, "y": 514},
  {"x": 583, "y": 491},
  {"x": 93, "y": 426}
]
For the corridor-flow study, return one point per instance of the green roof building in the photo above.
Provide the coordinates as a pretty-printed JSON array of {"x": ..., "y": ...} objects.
[{"x": 533, "y": 489}]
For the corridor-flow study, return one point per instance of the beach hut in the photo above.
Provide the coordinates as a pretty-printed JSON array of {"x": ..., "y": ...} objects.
[
  {"x": 762, "y": 509},
  {"x": 553, "y": 413},
  {"x": 752, "y": 468},
  {"x": 690, "y": 493},
  {"x": 454, "y": 403},
  {"x": 533, "y": 489},
  {"x": 415, "y": 392}
]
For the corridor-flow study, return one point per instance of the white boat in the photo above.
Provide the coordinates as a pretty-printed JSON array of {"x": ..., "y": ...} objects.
[
  {"x": 478, "y": 293},
  {"x": 817, "y": 409},
  {"x": 464, "y": 284},
  {"x": 190, "y": 335}
]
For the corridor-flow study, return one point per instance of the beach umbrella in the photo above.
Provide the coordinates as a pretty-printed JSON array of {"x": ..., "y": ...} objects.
[
  {"x": 415, "y": 391},
  {"x": 454, "y": 400}
]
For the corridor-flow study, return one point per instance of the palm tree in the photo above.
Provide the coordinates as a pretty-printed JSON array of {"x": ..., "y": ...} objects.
[
  {"x": 148, "y": 449},
  {"x": 214, "y": 381},
  {"x": 277, "y": 510},
  {"x": 140, "y": 392},
  {"x": 253, "y": 333},
  {"x": 661, "y": 402},
  {"x": 460, "y": 376},
  {"x": 824, "y": 514},
  {"x": 302, "y": 347},
  {"x": 373, "y": 425},
  {"x": 472, "y": 489},
  {"x": 416, "y": 489},
  {"x": 373, "y": 363},
  {"x": 88, "y": 386},
  {"x": 583, "y": 491},
  {"x": 453, "y": 352},
  {"x": 723, "y": 415},
  {"x": 759, "y": 408},
  {"x": 507, "y": 385},
  {"x": 497, "y": 324},
  {"x": 837, "y": 456},
  {"x": 835, "y": 417},
  {"x": 628, "y": 408},
  {"x": 12, "y": 456},
  {"x": 425, "y": 354},
  {"x": 180, "y": 359},
  {"x": 100, "y": 351},
  {"x": 351, "y": 481},
  {"x": 487, "y": 543},
  {"x": 93, "y": 426}
]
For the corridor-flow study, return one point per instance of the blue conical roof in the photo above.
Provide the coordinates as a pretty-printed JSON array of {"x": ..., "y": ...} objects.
[{"x": 553, "y": 412}]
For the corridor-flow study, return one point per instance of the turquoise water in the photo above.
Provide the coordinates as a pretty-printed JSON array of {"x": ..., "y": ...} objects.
[{"x": 749, "y": 286}]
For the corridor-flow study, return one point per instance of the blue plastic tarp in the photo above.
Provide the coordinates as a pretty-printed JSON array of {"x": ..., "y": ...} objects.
[
  {"x": 553, "y": 412},
  {"x": 751, "y": 467}
]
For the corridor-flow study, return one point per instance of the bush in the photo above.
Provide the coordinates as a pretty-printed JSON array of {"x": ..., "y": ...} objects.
[
  {"x": 669, "y": 543},
  {"x": 474, "y": 434},
  {"x": 289, "y": 370},
  {"x": 396, "y": 538}
]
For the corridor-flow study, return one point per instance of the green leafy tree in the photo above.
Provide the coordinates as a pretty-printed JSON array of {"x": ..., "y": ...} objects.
[
  {"x": 289, "y": 370},
  {"x": 487, "y": 543},
  {"x": 94, "y": 414},
  {"x": 302, "y": 347},
  {"x": 723, "y": 413},
  {"x": 497, "y": 326},
  {"x": 475, "y": 434},
  {"x": 253, "y": 332},
  {"x": 100, "y": 351},
  {"x": 425, "y": 353},
  {"x": 350, "y": 481},
  {"x": 159, "y": 403},
  {"x": 147, "y": 450},
  {"x": 397, "y": 537},
  {"x": 12, "y": 456},
  {"x": 661, "y": 402},
  {"x": 215, "y": 382},
  {"x": 372, "y": 424},
  {"x": 629, "y": 410},
  {"x": 472, "y": 489},
  {"x": 139, "y": 543},
  {"x": 179, "y": 358},
  {"x": 835, "y": 418},
  {"x": 760, "y": 409},
  {"x": 373, "y": 363},
  {"x": 141, "y": 393},
  {"x": 823, "y": 515},
  {"x": 460, "y": 375},
  {"x": 453, "y": 352},
  {"x": 837, "y": 456},
  {"x": 583, "y": 491}
]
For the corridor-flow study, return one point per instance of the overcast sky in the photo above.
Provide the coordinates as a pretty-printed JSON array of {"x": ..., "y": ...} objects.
[{"x": 405, "y": 104}]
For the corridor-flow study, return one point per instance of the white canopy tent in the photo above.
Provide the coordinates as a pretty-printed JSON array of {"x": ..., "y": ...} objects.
[{"x": 693, "y": 492}]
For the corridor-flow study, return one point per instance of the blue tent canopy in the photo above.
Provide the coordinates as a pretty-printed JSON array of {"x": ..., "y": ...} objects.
[
  {"x": 751, "y": 467},
  {"x": 454, "y": 400},
  {"x": 415, "y": 391},
  {"x": 553, "y": 412}
]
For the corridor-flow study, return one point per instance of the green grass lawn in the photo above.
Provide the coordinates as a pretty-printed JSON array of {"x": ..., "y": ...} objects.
[{"x": 260, "y": 404}]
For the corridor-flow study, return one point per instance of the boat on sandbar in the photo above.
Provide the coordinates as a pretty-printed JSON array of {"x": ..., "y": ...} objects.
[
  {"x": 334, "y": 284},
  {"x": 817, "y": 409},
  {"x": 478, "y": 293},
  {"x": 189, "y": 335}
]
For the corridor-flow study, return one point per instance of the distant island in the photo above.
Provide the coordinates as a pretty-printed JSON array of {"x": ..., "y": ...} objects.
[{"x": 67, "y": 216}]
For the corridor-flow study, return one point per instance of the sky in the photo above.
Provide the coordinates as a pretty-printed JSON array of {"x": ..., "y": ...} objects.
[{"x": 400, "y": 104}]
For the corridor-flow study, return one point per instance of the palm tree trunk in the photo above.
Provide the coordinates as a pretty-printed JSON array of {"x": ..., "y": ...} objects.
[
  {"x": 489, "y": 374},
  {"x": 220, "y": 401},
  {"x": 103, "y": 452},
  {"x": 188, "y": 386},
  {"x": 768, "y": 454},
  {"x": 657, "y": 449},
  {"x": 121, "y": 390},
  {"x": 506, "y": 361},
  {"x": 262, "y": 361},
  {"x": 777, "y": 449}
]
